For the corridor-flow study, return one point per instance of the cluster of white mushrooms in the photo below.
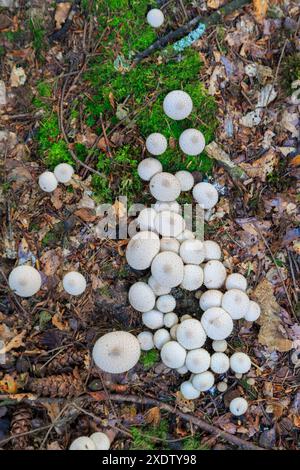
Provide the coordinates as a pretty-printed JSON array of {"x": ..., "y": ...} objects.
[
  {"x": 49, "y": 180},
  {"x": 97, "y": 441}
]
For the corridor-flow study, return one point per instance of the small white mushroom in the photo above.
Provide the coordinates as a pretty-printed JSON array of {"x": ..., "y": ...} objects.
[
  {"x": 156, "y": 143},
  {"x": 219, "y": 345},
  {"x": 178, "y": 105},
  {"x": 169, "y": 224},
  {"x": 240, "y": 363},
  {"x": 63, "y": 172},
  {"x": 236, "y": 281},
  {"x": 206, "y": 195},
  {"x": 153, "y": 319},
  {"x": 203, "y": 381},
  {"x": 170, "y": 319},
  {"x": 197, "y": 360},
  {"x": 192, "y": 251},
  {"x": 210, "y": 298},
  {"x": 141, "y": 249},
  {"x": 173, "y": 331},
  {"x": 141, "y": 297},
  {"x": 25, "y": 281},
  {"x": 219, "y": 363},
  {"x": 185, "y": 317},
  {"x": 238, "y": 406},
  {"x": 167, "y": 269},
  {"x": 190, "y": 334},
  {"x": 155, "y": 18},
  {"x": 182, "y": 370},
  {"x": 149, "y": 167},
  {"x": 192, "y": 277},
  {"x": 164, "y": 187},
  {"x": 236, "y": 303},
  {"x": 253, "y": 311},
  {"x": 192, "y": 142},
  {"x": 48, "y": 182},
  {"x": 82, "y": 443},
  {"x": 185, "y": 179},
  {"x": 116, "y": 352},
  {"x": 188, "y": 391},
  {"x": 157, "y": 288},
  {"x": 217, "y": 323},
  {"x": 169, "y": 244},
  {"x": 166, "y": 303},
  {"x": 146, "y": 340},
  {"x": 74, "y": 283},
  {"x": 172, "y": 206},
  {"x": 173, "y": 355},
  {"x": 212, "y": 250},
  {"x": 222, "y": 387},
  {"x": 214, "y": 274},
  {"x": 100, "y": 440},
  {"x": 161, "y": 337},
  {"x": 145, "y": 219},
  {"x": 185, "y": 235}
]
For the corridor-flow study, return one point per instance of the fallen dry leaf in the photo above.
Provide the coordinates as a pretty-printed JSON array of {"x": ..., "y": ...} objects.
[
  {"x": 295, "y": 161},
  {"x": 57, "y": 321},
  {"x": 14, "y": 343},
  {"x": 260, "y": 9},
  {"x": 87, "y": 215},
  {"x": 17, "y": 76},
  {"x": 153, "y": 416},
  {"x": 186, "y": 406},
  {"x": 61, "y": 14},
  {"x": 50, "y": 261},
  {"x": 263, "y": 166},
  {"x": 8, "y": 384}
]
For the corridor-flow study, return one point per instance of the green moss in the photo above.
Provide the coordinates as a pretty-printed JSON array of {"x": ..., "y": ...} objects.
[
  {"x": 38, "y": 37},
  {"x": 290, "y": 71},
  {"x": 149, "y": 358},
  {"x": 146, "y": 437},
  {"x": 194, "y": 443},
  {"x": 44, "y": 89}
]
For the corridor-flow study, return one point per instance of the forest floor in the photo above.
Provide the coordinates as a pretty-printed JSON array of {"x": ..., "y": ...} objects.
[{"x": 69, "y": 93}]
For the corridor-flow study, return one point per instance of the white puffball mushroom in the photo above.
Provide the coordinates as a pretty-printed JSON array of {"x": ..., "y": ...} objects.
[
  {"x": 203, "y": 381},
  {"x": 173, "y": 331},
  {"x": 156, "y": 143},
  {"x": 170, "y": 319},
  {"x": 167, "y": 269},
  {"x": 155, "y": 18},
  {"x": 161, "y": 337},
  {"x": 192, "y": 142},
  {"x": 240, "y": 363},
  {"x": 253, "y": 311},
  {"x": 185, "y": 317},
  {"x": 219, "y": 363},
  {"x": 238, "y": 376},
  {"x": 145, "y": 219},
  {"x": 141, "y": 249},
  {"x": 190, "y": 334},
  {"x": 185, "y": 179},
  {"x": 169, "y": 244},
  {"x": 236, "y": 303},
  {"x": 236, "y": 281},
  {"x": 157, "y": 288},
  {"x": 185, "y": 235},
  {"x": 63, "y": 172},
  {"x": 141, "y": 297},
  {"x": 74, "y": 283},
  {"x": 164, "y": 187},
  {"x": 238, "y": 406},
  {"x": 188, "y": 391},
  {"x": 83, "y": 443},
  {"x": 177, "y": 105},
  {"x": 166, "y": 303},
  {"x": 192, "y": 277},
  {"x": 182, "y": 370},
  {"x": 217, "y": 323},
  {"x": 169, "y": 224},
  {"x": 149, "y": 167},
  {"x": 197, "y": 360},
  {"x": 173, "y": 355},
  {"x": 116, "y": 352},
  {"x": 25, "y": 281},
  {"x": 100, "y": 440},
  {"x": 212, "y": 250},
  {"x": 48, "y": 182},
  {"x": 219, "y": 345},
  {"x": 146, "y": 340},
  {"x": 214, "y": 274},
  {"x": 172, "y": 206},
  {"x": 222, "y": 387},
  {"x": 210, "y": 298},
  {"x": 206, "y": 195},
  {"x": 192, "y": 251},
  {"x": 153, "y": 319}
]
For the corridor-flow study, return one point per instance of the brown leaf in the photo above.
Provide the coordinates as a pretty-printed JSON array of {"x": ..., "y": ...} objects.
[
  {"x": 260, "y": 9},
  {"x": 8, "y": 384},
  {"x": 85, "y": 214},
  {"x": 56, "y": 198},
  {"x": 15, "y": 343},
  {"x": 57, "y": 321},
  {"x": 51, "y": 261},
  {"x": 61, "y": 14},
  {"x": 263, "y": 166},
  {"x": 153, "y": 416},
  {"x": 295, "y": 161},
  {"x": 186, "y": 406}
]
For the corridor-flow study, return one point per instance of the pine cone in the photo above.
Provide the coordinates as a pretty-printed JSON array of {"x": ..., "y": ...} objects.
[
  {"x": 21, "y": 423},
  {"x": 64, "y": 362},
  {"x": 63, "y": 385}
]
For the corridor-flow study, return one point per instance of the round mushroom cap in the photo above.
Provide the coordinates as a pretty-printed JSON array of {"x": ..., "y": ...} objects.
[
  {"x": 212, "y": 250},
  {"x": 238, "y": 406},
  {"x": 141, "y": 297},
  {"x": 156, "y": 143},
  {"x": 188, "y": 391},
  {"x": 74, "y": 283},
  {"x": 197, "y": 360},
  {"x": 161, "y": 337},
  {"x": 116, "y": 352},
  {"x": 63, "y": 172},
  {"x": 48, "y": 182},
  {"x": 166, "y": 303},
  {"x": 210, "y": 298},
  {"x": 185, "y": 179},
  {"x": 206, "y": 195},
  {"x": 25, "y": 281},
  {"x": 253, "y": 311},
  {"x": 164, "y": 187},
  {"x": 172, "y": 206},
  {"x": 240, "y": 363},
  {"x": 157, "y": 288},
  {"x": 219, "y": 363},
  {"x": 214, "y": 274},
  {"x": 219, "y": 345},
  {"x": 146, "y": 219},
  {"x": 173, "y": 330},
  {"x": 100, "y": 440},
  {"x": 169, "y": 244},
  {"x": 185, "y": 235},
  {"x": 185, "y": 317},
  {"x": 82, "y": 443},
  {"x": 192, "y": 251},
  {"x": 203, "y": 381},
  {"x": 146, "y": 340},
  {"x": 170, "y": 319},
  {"x": 217, "y": 323},
  {"x": 236, "y": 303},
  {"x": 192, "y": 142},
  {"x": 192, "y": 277},
  {"x": 153, "y": 319},
  {"x": 169, "y": 224},
  {"x": 222, "y": 387},
  {"x": 149, "y": 167},
  {"x": 236, "y": 281},
  {"x": 141, "y": 249},
  {"x": 190, "y": 334},
  {"x": 182, "y": 370},
  {"x": 167, "y": 269},
  {"x": 155, "y": 17},
  {"x": 177, "y": 105},
  {"x": 173, "y": 355}
]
